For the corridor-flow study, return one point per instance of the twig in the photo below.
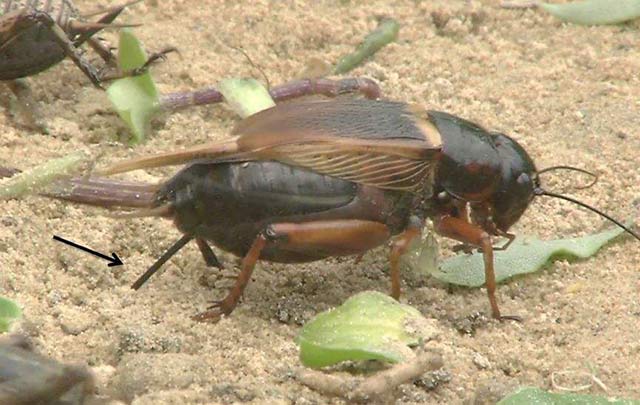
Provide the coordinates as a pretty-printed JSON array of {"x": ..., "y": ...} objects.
[
  {"x": 519, "y": 4},
  {"x": 357, "y": 389},
  {"x": 578, "y": 388}
]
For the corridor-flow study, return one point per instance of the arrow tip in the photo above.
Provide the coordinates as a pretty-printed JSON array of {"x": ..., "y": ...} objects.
[{"x": 115, "y": 261}]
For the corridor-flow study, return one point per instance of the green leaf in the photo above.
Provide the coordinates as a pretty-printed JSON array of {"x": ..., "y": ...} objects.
[
  {"x": 386, "y": 32},
  {"x": 368, "y": 326},
  {"x": 9, "y": 312},
  {"x": 525, "y": 255},
  {"x": 540, "y": 397},
  {"x": 245, "y": 96},
  {"x": 595, "y": 12},
  {"x": 136, "y": 99}
]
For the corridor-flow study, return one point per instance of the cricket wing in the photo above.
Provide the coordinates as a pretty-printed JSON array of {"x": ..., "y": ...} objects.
[{"x": 379, "y": 143}]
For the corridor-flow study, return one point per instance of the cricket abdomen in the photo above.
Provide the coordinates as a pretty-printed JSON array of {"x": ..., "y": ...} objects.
[{"x": 229, "y": 204}]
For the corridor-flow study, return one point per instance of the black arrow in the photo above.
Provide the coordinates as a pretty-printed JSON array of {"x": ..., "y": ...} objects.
[{"x": 114, "y": 260}]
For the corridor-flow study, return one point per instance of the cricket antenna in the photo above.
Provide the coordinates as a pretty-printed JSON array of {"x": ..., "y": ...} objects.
[
  {"x": 539, "y": 191},
  {"x": 575, "y": 169},
  {"x": 254, "y": 65}
]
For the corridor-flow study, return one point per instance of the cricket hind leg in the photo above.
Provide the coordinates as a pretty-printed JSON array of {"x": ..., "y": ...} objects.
[
  {"x": 332, "y": 237},
  {"x": 283, "y": 92}
]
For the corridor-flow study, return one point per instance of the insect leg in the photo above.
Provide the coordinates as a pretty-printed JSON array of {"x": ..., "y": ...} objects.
[
  {"x": 208, "y": 255},
  {"x": 332, "y": 238},
  {"x": 287, "y": 91},
  {"x": 510, "y": 238},
  {"x": 153, "y": 58},
  {"x": 108, "y": 18},
  {"x": 465, "y": 232},
  {"x": 104, "y": 51},
  {"x": 30, "y": 17},
  {"x": 398, "y": 248},
  {"x": 227, "y": 305}
]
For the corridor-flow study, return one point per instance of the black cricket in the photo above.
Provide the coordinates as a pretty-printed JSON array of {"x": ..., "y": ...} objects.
[{"x": 306, "y": 180}]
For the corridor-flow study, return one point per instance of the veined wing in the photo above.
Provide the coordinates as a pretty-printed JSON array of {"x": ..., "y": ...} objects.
[{"x": 381, "y": 143}]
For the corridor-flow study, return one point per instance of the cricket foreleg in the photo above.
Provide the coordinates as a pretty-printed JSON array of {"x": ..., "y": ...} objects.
[{"x": 467, "y": 233}]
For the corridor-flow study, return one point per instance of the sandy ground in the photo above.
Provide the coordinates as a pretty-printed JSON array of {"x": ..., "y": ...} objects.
[{"x": 569, "y": 94}]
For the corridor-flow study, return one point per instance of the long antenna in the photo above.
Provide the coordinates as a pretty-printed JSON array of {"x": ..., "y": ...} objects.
[
  {"x": 539, "y": 191},
  {"x": 254, "y": 65},
  {"x": 575, "y": 169}
]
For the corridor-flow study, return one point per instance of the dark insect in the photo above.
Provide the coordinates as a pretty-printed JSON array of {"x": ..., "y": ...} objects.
[
  {"x": 306, "y": 180},
  {"x": 28, "y": 378},
  {"x": 37, "y": 35}
]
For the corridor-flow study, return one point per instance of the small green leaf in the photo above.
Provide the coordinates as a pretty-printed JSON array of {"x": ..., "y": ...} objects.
[
  {"x": 386, "y": 32},
  {"x": 245, "y": 96},
  {"x": 525, "y": 255},
  {"x": 136, "y": 99},
  {"x": 595, "y": 12},
  {"x": 9, "y": 312},
  {"x": 540, "y": 397},
  {"x": 368, "y": 326}
]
